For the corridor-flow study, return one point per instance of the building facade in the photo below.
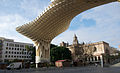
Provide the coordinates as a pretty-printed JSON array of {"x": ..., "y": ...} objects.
[
  {"x": 10, "y": 50},
  {"x": 90, "y": 52}
]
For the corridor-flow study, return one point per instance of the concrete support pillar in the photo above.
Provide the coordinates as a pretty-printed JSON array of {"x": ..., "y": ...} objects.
[
  {"x": 101, "y": 60},
  {"x": 87, "y": 59},
  {"x": 97, "y": 58},
  {"x": 36, "y": 65},
  {"x": 42, "y": 52},
  {"x": 93, "y": 58},
  {"x": 90, "y": 59}
]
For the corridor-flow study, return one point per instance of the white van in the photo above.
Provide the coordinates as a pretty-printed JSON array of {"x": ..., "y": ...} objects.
[{"x": 15, "y": 65}]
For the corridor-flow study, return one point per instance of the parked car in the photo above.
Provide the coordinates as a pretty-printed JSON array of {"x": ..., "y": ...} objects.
[{"x": 15, "y": 65}]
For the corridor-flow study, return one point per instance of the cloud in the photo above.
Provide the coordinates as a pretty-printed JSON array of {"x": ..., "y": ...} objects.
[
  {"x": 106, "y": 19},
  {"x": 33, "y": 8},
  {"x": 16, "y": 13},
  {"x": 106, "y": 29},
  {"x": 8, "y": 25}
]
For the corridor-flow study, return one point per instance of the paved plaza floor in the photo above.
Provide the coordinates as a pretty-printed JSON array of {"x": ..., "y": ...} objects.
[{"x": 67, "y": 70}]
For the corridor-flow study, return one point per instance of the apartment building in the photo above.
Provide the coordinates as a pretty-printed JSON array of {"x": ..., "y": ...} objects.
[{"x": 10, "y": 50}]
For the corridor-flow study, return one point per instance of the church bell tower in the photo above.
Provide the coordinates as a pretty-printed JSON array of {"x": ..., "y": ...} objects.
[{"x": 75, "y": 40}]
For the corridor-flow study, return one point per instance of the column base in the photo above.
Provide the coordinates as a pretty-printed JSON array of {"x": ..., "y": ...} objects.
[{"x": 36, "y": 65}]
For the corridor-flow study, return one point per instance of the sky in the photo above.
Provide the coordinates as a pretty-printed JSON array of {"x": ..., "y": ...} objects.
[{"x": 101, "y": 23}]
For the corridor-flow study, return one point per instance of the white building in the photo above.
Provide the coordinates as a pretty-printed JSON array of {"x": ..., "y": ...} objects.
[{"x": 10, "y": 50}]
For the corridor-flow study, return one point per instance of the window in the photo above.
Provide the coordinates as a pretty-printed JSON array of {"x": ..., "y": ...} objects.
[
  {"x": 95, "y": 49},
  {"x": 21, "y": 45},
  {"x": 43, "y": 47},
  {"x": 6, "y": 47},
  {"x": 16, "y": 45},
  {"x": 6, "y": 56},
  {"x": 11, "y": 44},
  {"x": 98, "y": 58},
  {"x": 29, "y": 53},
  {"x": 6, "y": 52},
  {"x": 40, "y": 43},
  {"x": 95, "y": 58},
  {"x": 17, "y": 52}
]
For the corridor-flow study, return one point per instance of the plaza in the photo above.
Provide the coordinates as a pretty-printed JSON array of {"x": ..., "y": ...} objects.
[
  {"x": 66, "y": 70},
  {"x": 54, "y": 20}
]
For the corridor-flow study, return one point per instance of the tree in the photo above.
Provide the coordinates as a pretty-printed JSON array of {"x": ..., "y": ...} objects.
[
  {"x": 52, "y": 46},
  {"x": 31, "y": 48},
  {"x": 59, "y": 53},
  {"x": 33, "y": 53}
]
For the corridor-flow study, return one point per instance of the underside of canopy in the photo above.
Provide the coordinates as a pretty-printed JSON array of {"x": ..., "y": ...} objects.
[{"x": 56, "y": 18}]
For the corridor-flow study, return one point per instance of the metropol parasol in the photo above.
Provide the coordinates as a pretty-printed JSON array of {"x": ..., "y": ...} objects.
[{"x": 54, "y": 20}]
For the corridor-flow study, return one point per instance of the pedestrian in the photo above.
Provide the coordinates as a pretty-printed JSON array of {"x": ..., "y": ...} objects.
[{"x": 95, "y": 64}]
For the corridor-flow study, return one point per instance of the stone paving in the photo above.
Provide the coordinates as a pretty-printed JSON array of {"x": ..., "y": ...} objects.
[
  {"x": 67, "y": 70},
  {"x": 116, "y": 65}
]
